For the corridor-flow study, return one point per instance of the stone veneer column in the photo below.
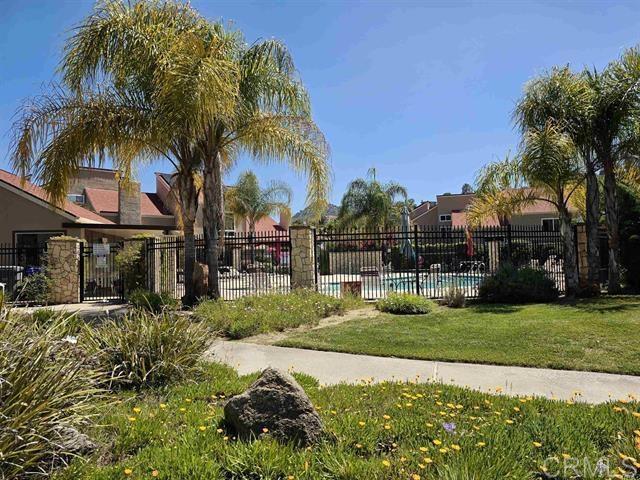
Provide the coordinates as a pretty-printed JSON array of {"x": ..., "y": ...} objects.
[
  {"x": 63, "y": 268},
  {"x": 302, "y": 257}
]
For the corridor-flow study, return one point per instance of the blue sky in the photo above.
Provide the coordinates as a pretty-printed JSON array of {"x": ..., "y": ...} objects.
[{"x": 422, "y": 91}]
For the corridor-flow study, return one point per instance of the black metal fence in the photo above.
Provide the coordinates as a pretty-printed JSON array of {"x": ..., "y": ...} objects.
[
  {"x": 249, "y": 264},
  {"x": 17, "y": 263},
  {"x": 100, "y": 276},
  {"x": 430, "y": 261}
]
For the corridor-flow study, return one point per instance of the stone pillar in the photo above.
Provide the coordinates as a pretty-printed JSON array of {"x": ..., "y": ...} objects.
[
  {"x": 302, "y": 257},
  {"x": 583, "y": 259},
  {"x": 129, "y": 204},
  {"x": 63, "y": 269}
]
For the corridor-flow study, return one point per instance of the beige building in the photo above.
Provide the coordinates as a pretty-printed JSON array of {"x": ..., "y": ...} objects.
[
  {"x": 450, "y": 210},
  {"x": 97, "y": 208}
]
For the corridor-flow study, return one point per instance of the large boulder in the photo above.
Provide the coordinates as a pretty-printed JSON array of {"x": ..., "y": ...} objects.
[{"x": 276, "y": 404}]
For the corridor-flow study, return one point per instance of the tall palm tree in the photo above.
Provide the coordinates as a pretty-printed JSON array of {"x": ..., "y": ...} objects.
[
  {"x": 369, "y": 203},
  {"x": 616, "y": 107},
  {"x": 248, "y": 200},
  {"x": 118, "y": 105},
  {"x": 208, "y": 88},
  {"x": 567, "y": 99}
]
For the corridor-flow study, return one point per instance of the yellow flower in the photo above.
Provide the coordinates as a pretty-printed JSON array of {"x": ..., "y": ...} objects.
[
  {"x": 443, "y": 450},
  {"x": 358, "y": 445},
  {"x": 516, "y": 409},
  {"x": 202, "y": 428},
  {"x": 362, "y": 424},
  {"x": 424, "y": 449},
  {"x": 290, "y": 477},
  {"x": 128, "y": 471},
  {"x": 163, "y": 406},
  {"x": 182, "y": 409},
  {"x": 415, "y": 476},
  {"x": 508, "y": 421},
  {"x": 427, "y": 460},
  {"x": 437, "y": 442},
  {"x": 136, "y": 410},
  {"x": 480, "y": 444},
  {"x": 132, "y": 419},
  {"x": 188, "y": 400},
  {"x": 636, "y": 414},
  {"x": 386, "y": 463},
  {"x": 154, "y": 473},
  {"x": 455, "y": 447},
  {"x": 429, "y": 424},
  {"x": 265, "y": 430},
  {"x": 386, "y": 417},
  {"x": 387, "y": 427},
  {"x": 566, "y": 456},
  {"x": 537, "y": 444},
  {"x": 219, "y": 430}
]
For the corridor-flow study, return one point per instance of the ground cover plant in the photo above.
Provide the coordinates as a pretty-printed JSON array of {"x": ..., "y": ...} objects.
[
  {"x": 404, "y": 304},
  {"x": 268, "y": 313},
  {"x": 590, "y": 334},
  {"x": 151, "y": 301},
  {"x": 385, "y": 431}
]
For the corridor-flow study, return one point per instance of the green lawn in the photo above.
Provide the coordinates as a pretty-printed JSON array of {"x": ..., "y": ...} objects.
[
  {"x": 391, "y": 431},
  {"x": 597, "y": 335}
]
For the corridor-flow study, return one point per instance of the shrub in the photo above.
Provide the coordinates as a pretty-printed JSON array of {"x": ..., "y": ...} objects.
[
  {"x": 45, "y": 390},
  {"x": 629, "y": 207},
  {"x": 454, "y": 297},
  {"x": 404, "y": 303},
  {"x": 33, "y": 289},
  {"x": 512, "y": 285},
  {"x": 130, "y": 261},
  {"x": 273, "y": 312},
  {"x": 151, "y": 301},
  {"x": 146, "y": 350},
  {"x": 43, "y": 318}
]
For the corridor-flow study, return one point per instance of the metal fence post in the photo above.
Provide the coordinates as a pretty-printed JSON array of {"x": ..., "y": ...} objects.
[
  {"x": 81, "y": 272},
  {"x": 417, "y": 258},
  {"x": 509, "y": 246}
]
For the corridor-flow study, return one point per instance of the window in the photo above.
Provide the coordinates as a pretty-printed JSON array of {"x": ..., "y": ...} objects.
[
  {"x": 445, "y": 217},
  {"x": 34, "y": 239},
  {"x": 550, "y": 224},
  {"x": 229, "y": 222},
  {"x": 76, "y": 198}
]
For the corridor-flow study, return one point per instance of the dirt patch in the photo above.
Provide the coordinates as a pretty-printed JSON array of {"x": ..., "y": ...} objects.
[{"x": 274, "y": 337}]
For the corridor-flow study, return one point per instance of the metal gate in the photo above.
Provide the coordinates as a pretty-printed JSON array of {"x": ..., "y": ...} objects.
[{"x": 100, "y": 277}]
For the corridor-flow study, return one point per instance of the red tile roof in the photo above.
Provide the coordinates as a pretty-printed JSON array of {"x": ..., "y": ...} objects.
[
  {"x": 106, "y": 201},
  {"x": 39, "y": 193}
]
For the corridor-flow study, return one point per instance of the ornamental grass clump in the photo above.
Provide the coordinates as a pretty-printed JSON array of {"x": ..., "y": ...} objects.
[
  {"x": 143, "y": 349},
  {"x": 404, "y": 304},
  {"x": 252, "y": 315},
  {"x": 47, "y": 389}
]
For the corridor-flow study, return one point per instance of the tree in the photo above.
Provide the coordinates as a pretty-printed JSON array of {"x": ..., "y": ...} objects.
[
  {"x": 615, "y": 126},
  {"x": 115, "y": 103},
  {"x": 218, "y": 95},
  {"x": 567, "y": 100},
  {"x": 500, "y": 192},
  {"x": 369, "y": 203},
  {"x": 466, "y": 189},
  {"x": 248, "y": 200}
]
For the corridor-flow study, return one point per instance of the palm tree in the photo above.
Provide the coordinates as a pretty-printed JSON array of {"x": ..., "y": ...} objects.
[
  {"x": 500, "y": 193},
  {"x": 129, "y": 115},
  {"x": 567, "y": 99},
  {"x": 371, "y": 204},
  {"x": 248, "y": 200},
  {"x": 208, "y": 88},
  {"x": 616, "y": 102}
]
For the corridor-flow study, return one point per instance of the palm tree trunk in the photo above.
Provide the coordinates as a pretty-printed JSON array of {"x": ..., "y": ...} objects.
[
  {"x": 592, "y": 222},
  {"x": 213, "y": 209},
  {"x": 570, "y": 262},
  {"x": 611, "y": 210},
  {"x": 189, "y": 206}
]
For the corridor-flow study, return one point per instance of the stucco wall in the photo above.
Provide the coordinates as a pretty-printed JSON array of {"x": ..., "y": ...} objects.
[
  {"x": 532, "y": 219},
  {"x": 18, "y": 213},
  {"x": 93, "y": 178}
]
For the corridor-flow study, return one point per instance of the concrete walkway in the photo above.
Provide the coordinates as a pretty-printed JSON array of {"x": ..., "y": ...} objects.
[
  {"x": 86, "y": 310},
  {"x": 331, "y": 368}
]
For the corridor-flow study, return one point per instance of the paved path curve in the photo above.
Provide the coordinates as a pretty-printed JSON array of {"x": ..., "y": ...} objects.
[{"x": 331, "y": 368}]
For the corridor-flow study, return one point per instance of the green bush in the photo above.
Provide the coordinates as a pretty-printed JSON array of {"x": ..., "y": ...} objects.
[
  {"x": 146, "y": 350},
  {"x": 152, "y": 302},
  {"x": 33, "y": 289},
  {"x": 130, "y": 260},
  {"x": 404, "y": 303},
  {"x": 513, "y": 285},
  {"x": 43, "y": 318},
  {"x": 267, "y": 313},
  {"x": 454, "y": 297},
  {"x": 45, "y": 388}
]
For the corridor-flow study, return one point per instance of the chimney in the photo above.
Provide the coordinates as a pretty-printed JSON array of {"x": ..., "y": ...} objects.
[
  {"x": 129, "y": 204},
  {"x": 285, "y": 219}
]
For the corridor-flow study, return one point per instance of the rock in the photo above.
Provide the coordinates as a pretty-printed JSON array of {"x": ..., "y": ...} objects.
[
  {"x": 72, "y": 442},
  {"x": 275, "y": 402}
]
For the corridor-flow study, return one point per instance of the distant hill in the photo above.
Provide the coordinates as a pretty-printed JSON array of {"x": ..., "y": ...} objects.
[{"x": 303, "y": 216}]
